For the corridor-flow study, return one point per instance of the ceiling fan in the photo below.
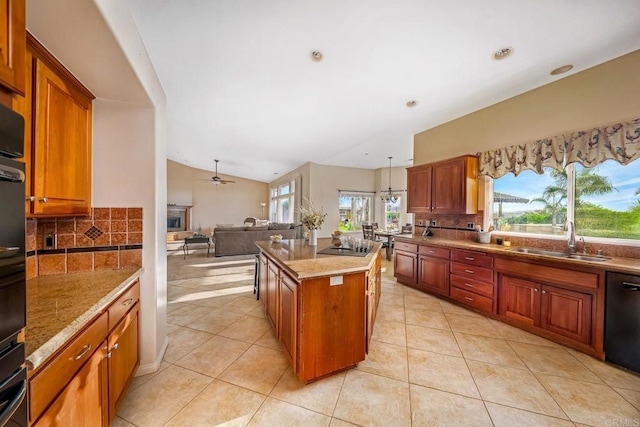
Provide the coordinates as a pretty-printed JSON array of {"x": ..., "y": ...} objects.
[{"x": 217, "y": 180}]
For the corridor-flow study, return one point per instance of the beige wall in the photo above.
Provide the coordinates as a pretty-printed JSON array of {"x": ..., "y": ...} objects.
[
  {"x": 600, "y": 95},
  {"x": 179, "y": 184},
  {"x": 214, "y": 204}
]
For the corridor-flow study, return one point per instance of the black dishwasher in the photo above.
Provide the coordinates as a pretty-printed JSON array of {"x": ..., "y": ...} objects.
[{"x": 622, "y": 321}]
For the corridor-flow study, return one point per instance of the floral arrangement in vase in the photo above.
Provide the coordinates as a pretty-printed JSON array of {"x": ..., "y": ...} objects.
[{"x": 311, "y": 217}]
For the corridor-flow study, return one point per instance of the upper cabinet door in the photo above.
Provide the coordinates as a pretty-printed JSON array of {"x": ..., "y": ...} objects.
[
  {"x": 449, "y": 195},
  {"x": 419, "y": 189},
  {"x": 12, "y": 45},
  {"x": 62, "y": 146}
]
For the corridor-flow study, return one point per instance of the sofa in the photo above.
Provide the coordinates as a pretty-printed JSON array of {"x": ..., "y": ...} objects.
[{"x": 240, "y": 240}]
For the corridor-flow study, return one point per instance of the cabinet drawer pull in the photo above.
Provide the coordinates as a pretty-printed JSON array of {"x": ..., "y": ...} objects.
[
  {"x": 127, "y": 302},
  {"x": 468, "y": 298},
  {"x": 469, "y": 285},
  {"x": 83, "y": 353},
  {"x": 469, "y": 258},
  {"x": 468, "y": 271},
  {"x": 432, "y": 252}
]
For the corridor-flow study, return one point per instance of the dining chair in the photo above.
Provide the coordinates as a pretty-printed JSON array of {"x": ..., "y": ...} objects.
[{"x": 369, "y": 232}]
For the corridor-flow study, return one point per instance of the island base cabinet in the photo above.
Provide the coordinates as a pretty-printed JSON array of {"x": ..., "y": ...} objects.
[
  {"x": 332, "y": 325},
  {"x": 123, "y": 360},
  {"x": 288, "y": 317},
  {"x": 83, "y": 401}
]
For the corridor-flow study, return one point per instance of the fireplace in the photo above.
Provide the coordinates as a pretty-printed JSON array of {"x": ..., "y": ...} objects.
[{"x": 178, "y": 217}]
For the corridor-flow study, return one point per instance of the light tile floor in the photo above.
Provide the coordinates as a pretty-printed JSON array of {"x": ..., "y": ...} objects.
[{"x": 431, "y": 363}]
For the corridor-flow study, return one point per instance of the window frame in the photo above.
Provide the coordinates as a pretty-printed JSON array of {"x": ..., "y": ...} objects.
[
  {"x": 571, "y": 174},
  {"x": 353, "y": 194},
  {"x": 278, "y": 197}
]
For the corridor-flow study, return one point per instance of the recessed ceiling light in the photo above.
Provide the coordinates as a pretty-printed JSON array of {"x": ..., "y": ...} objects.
[
  {"x": 316, "y": 55},
  {"x": 412, "y": 103},
  {"x": 502, "y": 53},
  {"x": 562, "y": 70}
]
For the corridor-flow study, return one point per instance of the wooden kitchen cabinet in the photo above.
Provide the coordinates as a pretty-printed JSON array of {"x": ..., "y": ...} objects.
[
  {"x": 85, "y": 382},
  {"x": 262, "y": 280},
  {"x": 12, "y": 46},
  {"x": 272, "y": 293},
  {"x": 122, "y": 359},
  {"x": 58, "y": 126},
  {"x": 405, "y": 263},
  {"x": 288, "y": 317},
  {"x": 446, "y": 187},
  {"x": 83, "y": 401},
  {"x": 373, "y": 298},
  {"x": 555, "y": 300},
  {"x": 433, "y": 274}
]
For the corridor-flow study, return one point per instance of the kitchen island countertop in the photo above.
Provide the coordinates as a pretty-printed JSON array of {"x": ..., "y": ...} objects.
[{"x": 60, "y": 305}]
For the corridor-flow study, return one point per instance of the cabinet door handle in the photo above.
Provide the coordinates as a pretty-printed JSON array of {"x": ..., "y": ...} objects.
[
  {"x": 44, "y": 199},
  {"x": 115, "y": 347},
  {"x": 83, "y": 353},
  {"x": 469, "y": 285},
  {"x": 468, "y": 298},
  {"x": 544, "y": 292},
  {"x": 469, "y": 258},
  {"x": 535, "y": 289},
  {"x": 127, "y": 302},
  {"x": 468, "y": 271},
  {"x": 30, "y": 199}
]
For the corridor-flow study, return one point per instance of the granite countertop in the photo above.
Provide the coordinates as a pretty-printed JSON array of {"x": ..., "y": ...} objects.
[
  {"x": 620, "y": 265},
  {"x": 302, "y": 261},
  {"x": 60, "y": 305}
]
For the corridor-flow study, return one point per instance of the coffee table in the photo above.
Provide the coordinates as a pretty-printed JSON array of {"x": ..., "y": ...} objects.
[{"x": 193, "y": 240}]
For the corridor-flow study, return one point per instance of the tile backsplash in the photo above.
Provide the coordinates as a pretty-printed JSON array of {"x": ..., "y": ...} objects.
[
  {"x": 453, "y": 227},
  {"x": 109, "y": 238}
]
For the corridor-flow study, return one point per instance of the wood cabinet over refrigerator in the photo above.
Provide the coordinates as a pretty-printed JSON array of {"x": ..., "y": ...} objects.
[
  {"x": 58, "y": 118},
  {"x": 446, "y": 187},
  {"x": 12, "y": 46}
]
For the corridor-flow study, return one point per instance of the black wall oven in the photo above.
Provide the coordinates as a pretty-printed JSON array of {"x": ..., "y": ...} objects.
[{"x": 13, "y": 309}]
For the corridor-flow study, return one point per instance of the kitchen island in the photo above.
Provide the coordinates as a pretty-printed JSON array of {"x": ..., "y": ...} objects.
[{"x": 322, "y": 307}]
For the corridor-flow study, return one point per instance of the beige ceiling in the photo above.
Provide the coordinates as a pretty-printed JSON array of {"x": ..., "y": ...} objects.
[{"x": 241, "y": 86}]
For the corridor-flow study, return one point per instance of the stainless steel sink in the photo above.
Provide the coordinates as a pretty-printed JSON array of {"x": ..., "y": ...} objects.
[
  {"x": 587, "y": 258},
  {"x": 534, "y": 251},
  {"x": 557, "y": 254}
]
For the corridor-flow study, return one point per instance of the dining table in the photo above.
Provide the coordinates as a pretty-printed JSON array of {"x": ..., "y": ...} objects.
[{"x": 389, "y": 234}]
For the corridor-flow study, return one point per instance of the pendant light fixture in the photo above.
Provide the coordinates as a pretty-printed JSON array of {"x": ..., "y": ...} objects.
[{"x": 388, "y": 196}]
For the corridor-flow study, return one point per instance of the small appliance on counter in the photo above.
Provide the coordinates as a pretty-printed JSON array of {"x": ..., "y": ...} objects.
[{"x": 13, "y": 309}]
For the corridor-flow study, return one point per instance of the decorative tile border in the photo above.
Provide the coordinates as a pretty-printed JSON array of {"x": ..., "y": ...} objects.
[{"x": 109, "y": 238}]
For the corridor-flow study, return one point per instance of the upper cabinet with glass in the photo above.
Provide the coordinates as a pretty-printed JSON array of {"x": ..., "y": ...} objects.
[
  {"x": 447, "y": 187},
  {"x": 12, "y": 45}
]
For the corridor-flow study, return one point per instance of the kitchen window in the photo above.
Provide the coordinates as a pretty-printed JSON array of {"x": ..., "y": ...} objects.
[
  {"x": 603, "y": 201},
  {"x": 355, "y": 210},
  {"x": 392, "y": 211}
]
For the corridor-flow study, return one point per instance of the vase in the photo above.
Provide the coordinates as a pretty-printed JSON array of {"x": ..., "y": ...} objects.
[{"x": 313, "y": 238}]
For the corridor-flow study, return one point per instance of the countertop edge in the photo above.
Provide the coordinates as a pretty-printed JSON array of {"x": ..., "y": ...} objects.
[
  {"x": 612, "y": 265},
  {"x": 35, "y": 359},
  {"x": 290, "y": 265}
]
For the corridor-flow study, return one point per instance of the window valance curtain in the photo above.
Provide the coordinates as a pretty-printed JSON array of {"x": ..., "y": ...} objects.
[{"x": 619, "y": 142}]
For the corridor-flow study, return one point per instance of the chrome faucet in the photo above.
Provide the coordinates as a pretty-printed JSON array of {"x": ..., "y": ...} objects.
[{"x": 570, "y": 228}]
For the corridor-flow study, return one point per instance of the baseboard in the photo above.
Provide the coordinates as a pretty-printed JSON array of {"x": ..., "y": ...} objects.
[{"x": 150, "y": 368}]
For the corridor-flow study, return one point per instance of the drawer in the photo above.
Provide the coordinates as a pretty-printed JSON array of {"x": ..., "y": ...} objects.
[
  {"x": 472, "y": 258},
  {"x": 53, "y": 377},
  {"x": 549, "y": 274},
  {"x": 473, "y": 300},
  {"x": 472, "y": 285},
  {"x": 122, "y": 305},
  {"x": 407, "y": 247},
  {"x": 477, "y": 273},
  {"x": 434, "y": 252}
]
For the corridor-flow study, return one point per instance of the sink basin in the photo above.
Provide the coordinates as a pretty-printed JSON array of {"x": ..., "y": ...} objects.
[
  {"x": 557, "y": 254},
  {"x": 587, "y": 258},
  {"x": 534, "y": 251}
]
